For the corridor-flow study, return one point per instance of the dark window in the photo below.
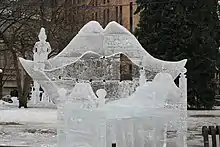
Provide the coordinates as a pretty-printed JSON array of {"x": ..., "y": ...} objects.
[{"x": 125, "y": 68}]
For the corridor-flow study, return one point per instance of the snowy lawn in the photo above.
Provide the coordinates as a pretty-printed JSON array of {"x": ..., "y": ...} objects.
[
  {"x": 197, "y": 119},
  {"x": 28, "y": 127},
  {"x": 37, "y": 126}
]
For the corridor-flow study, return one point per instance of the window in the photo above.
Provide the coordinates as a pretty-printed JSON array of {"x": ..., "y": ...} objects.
[{"x": 125, "y": 68}]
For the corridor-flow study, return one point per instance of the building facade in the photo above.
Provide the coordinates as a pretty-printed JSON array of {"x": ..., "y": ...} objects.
[
  {"x": 114, "y": 10},
  {"x": 102, "y": 11}
]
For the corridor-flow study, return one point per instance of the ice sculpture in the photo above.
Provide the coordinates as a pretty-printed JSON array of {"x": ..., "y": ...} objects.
[
  {"x": 41, "y": 51},
  {"x": 135, "y": 113}
]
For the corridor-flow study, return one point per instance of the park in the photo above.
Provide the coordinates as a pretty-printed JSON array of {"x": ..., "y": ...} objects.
[{"x": 110, "y": 86}]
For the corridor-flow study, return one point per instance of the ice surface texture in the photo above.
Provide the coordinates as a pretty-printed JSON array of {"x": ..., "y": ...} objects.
[
  {"x": 79, "y": 60},
  {"x": 133, "y": 113},
  {"x": 41, "y": 51},
  {"x": 112, "y": 40}
]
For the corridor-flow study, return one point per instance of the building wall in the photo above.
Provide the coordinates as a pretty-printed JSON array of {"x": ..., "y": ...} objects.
[
  {"x": 102, "y": 11},
  {"x": 105, "y": 11},
  {"x": 126, "y": 15}
]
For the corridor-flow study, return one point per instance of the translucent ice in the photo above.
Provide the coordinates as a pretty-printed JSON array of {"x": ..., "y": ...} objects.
[{"x": 134, "y": 113}]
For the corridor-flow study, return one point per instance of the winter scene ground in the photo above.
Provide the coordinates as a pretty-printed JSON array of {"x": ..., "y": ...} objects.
[
  {"x": 92, "y": 74},
  {"x": 36, "y": 127}
]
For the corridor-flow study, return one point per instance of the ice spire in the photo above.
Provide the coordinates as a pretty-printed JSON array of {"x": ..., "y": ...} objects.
[{"x": 42, "y": 35}]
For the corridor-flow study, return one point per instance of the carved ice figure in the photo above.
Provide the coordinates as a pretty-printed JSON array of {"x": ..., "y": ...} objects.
[
  {"x": 35, "y": 93},
  {"x": 41, "y": 50}
]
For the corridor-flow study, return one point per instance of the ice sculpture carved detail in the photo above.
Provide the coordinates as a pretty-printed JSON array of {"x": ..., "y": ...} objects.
[{"x": 41, "y": 51}]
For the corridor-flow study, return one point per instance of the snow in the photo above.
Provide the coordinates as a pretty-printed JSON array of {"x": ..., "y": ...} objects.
[
  {"x": 197, "y": 119},
  {"x": 28, "y": 115},
  {"x": 36, "y": 127},
  {"x": 27, "y": 127},
  {"x": 2, "y": 103},
  {"x": 15, "y": 100}
]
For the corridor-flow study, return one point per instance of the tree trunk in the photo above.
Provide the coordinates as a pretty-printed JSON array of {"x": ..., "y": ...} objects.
[
  {"x": 26, "y": 89},
  {"x": 1, "y": 85},
  {"x": 18, "y": 81}
]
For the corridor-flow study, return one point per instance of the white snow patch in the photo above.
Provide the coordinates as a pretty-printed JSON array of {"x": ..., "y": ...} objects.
[
  {"x": 30, "y": 115},
  {"x": 41, "y": 119}
]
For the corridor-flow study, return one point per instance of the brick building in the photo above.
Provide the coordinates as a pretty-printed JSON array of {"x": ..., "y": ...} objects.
[
  {"x": 114, "y": 10},
  {"x": 102, "y": 11}
]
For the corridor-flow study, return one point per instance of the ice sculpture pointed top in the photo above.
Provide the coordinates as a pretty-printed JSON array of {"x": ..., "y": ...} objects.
[
  {"x": 77, "y": 93},
  {"x": 90, "y": 28},
  {"x": 41, "y": 48},
  {"x": 42, "y": 35},
  {"x": 115, "y": 28},
  {"x": 83, "y": 95}
]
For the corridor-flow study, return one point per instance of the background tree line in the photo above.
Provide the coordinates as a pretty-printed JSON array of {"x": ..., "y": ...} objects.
[
  {"x": 177, "y": 29},
  {"x": 168, "y": 29},
  {"x": 20, "y": 22}
]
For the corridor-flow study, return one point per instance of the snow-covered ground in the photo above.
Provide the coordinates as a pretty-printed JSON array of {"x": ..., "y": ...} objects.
[
  {"x": 197, "y": 119},
  {"x": 36, "y": 127}
]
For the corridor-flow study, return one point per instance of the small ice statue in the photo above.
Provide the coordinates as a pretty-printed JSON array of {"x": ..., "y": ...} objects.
[
  {"x": 41, "y": 48},
  {"x": 101, "y": 93},
  {"x": 41, "y": 51},
  {"x": 142, "y": 79}
]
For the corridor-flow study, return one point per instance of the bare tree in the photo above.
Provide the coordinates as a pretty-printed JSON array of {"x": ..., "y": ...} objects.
[
  {"x": 7, "y": 72},
  {"x": 15, "y": 18},
  {"x": 20, "y": 22}
]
